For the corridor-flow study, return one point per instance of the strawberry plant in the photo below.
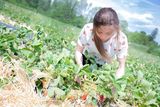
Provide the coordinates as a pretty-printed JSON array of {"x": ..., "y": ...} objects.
[{"x": 55, "y": 55}]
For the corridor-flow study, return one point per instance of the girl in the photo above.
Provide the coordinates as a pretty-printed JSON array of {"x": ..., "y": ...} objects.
[{"x": 103, "y": 40}]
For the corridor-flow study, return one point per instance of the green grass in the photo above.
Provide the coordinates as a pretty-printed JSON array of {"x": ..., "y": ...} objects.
[{"x": 140, "y": 52}]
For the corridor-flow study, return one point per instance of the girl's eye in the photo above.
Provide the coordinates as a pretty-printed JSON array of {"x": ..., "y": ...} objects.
[
  {"x": 108, "y": 33},
  {"x": 100, "y": 32}
]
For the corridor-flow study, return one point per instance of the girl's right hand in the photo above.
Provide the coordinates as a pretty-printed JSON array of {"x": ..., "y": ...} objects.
[{"x": 78, "y": 55}]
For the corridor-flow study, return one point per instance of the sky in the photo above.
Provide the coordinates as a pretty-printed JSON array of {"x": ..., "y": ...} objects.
[{"x": 141, "y": 15}]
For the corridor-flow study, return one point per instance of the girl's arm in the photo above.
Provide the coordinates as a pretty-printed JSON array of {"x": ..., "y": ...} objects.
[
  {"x": 121, "y": 68},
  {"x": 78, "y": 55}
]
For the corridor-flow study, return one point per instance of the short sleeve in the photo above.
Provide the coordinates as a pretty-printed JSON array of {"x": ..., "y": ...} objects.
[
  {"x": 123, "y": 50},
  {"x": 82, "y": 37}
]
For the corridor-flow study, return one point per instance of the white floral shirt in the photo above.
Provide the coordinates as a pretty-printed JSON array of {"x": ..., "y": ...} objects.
[{"x": 86, "y": 40}]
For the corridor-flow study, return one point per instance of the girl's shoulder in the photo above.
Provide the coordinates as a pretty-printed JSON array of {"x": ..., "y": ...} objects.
[
  {"x": 122, "y": 36},
  {"x": 88, "y": 26},
  {"x": 123, "y": 40},
  {"x": 87, "y": 30}
]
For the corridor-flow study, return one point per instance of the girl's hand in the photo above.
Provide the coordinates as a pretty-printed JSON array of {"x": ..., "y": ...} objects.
[
  {"x": 119, "y": 73},
  {"x": 121, "y": 69},
  {"x": 78, "y": 55}
]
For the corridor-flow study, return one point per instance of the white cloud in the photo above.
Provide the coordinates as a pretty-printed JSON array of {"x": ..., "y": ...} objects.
[
  {"x": 132, "y": 4},
  {"x": 146, "y": 17},
  {"x": 102, "y": 3},
  {"x": 140, "y": 27},
  {"x": 147, "y": 26},
  {"x": 95, "y": 3}
]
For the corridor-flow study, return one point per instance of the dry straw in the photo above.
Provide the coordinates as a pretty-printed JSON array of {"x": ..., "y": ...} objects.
[{"x": 19, "y": 92}]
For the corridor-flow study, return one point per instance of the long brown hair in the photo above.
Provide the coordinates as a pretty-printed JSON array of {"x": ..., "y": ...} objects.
[{"x": 105, "y": 17}]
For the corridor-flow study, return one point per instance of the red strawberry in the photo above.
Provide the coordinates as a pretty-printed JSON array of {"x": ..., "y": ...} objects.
[
  {"x": 101, "y": 98},
  {"x": 84, "y": 96}
]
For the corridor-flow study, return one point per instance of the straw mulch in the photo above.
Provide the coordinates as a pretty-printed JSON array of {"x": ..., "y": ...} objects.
[{"x": 20, "y": 89}]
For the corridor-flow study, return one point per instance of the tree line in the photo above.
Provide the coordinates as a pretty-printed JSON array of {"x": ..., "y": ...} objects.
[{"x": 72, "y": 12}]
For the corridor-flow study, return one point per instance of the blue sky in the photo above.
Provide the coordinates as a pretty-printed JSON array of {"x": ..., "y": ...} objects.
[{"x": 141, "y": 15}]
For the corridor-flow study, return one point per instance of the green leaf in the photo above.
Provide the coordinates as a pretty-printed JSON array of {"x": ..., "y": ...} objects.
[
  {"x": 121, "y": 94},
  {"x": 99, "y": 81},
  {"x": 145, "y": 84},
  {"x": 56, "y": 81},
  {"x": 137, "y": 94},
  {"x": 26, "y": 52},
  {"x": 55, "y": 91},
  {"x": 151, "y": 102},
  {"x": 103, "y": 78},
  {"x": 140, "y": 75},
  {"x": 151, "y": 94}
]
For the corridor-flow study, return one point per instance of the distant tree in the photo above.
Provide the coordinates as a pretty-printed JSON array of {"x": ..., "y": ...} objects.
[
  {"x": 65, "y": 11},
  {"x": 91, "y": 13},
  {"x": 83, "y": 7},
  {"x": 153, "y": 34},
  {"x": 44, "y": 5},
  {"x": 138, "y": 37},
  {"x": 143, "y": 33},
  {"x": 51, "y": 3},
  {"x": 2, "y": 4},
  {"x": 19, "y": 1},
  {"x": 68, "y": 11},
  {"x": 33, "y": 3},
  {"x": 124, "y": 25}
]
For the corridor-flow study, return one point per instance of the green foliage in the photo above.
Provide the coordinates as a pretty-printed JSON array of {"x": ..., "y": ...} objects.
[
  {"x": 44, "y": 5},
  {"x": 153, "y": 34},
  {"x": 64, "y": 11},
  {"x": 54, "y": 53},
  {"x": 3, "y": 82},
  {"x": 138, "y": 37},
  {"x": 139, "y": 86},
  {"x": 154, "y": 49},
  {"x": 6, "y": 41},
  {"x": 124, "y": 26},
  {"x": 2, "y": 4},
  {"x": 33, "y": 3},
  {"x": 143, "y": 39}
]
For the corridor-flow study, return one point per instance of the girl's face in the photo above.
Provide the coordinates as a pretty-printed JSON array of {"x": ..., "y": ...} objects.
[{"x": 105, "y": 32}]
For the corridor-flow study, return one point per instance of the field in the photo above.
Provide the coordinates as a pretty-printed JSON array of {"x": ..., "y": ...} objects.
[{"x": 37, "y": 65}]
